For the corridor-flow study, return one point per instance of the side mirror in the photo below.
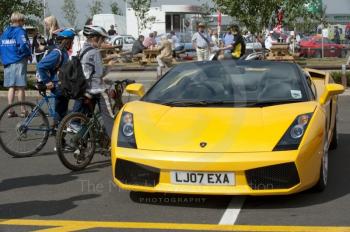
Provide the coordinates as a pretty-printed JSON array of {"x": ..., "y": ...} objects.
[
  {"x": 136, "y": 89},
  {"x": 330, "y": 91}
]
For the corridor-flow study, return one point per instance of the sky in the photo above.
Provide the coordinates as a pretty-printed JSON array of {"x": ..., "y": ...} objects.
[
  {"x": 333, "y": 7},
  {"x": 337, "y": 6},
  {"x": 55, "y": 8}
]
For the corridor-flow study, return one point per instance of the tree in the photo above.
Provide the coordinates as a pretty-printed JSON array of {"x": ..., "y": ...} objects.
[
  {"x": 70, "y": 12},
  {"x": 33, "y": 9},
  {"x": 256, "y": 15},
  {"x": 115, "y": 8},
  {"x": 307, "y": 12},
  {"x": 96, "y": 7},
  {"x": 141, "y": 8},
  {"x": 207, "y": 10}
]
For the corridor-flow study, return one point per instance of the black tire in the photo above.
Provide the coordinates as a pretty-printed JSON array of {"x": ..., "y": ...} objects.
[
  {"x": 85, "y": 146},
  {"x": 32, "y": 143},
  {"x": 323, "y": 179},
  {"x": 334, "y": 142}
]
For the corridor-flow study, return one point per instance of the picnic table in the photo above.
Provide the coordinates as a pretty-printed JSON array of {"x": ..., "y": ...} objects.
[
  {"x": 151, "y": 54},
  {"x": 115, "y": 55},
  {"x": 110, "y": 51}
]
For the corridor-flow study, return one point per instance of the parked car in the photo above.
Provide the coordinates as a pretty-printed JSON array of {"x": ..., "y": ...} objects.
[
  {"x": 185, "y": 40},
  {"x": 252, "y": 45},
  {"x": 312, "y": 47},
  {"x": 278, "y": 36},
  {"x": 126, "y": 41}
]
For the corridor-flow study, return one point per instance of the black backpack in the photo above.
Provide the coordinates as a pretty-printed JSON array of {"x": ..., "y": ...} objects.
[{"x": 72, "y": 79}]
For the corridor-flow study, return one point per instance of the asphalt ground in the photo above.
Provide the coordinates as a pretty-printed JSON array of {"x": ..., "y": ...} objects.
[{"x": 39, "y": 194}]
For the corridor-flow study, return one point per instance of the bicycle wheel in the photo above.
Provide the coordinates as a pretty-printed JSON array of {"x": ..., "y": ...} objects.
[
  {"x": 75, "y": 141},
  {"x": 23, "y": 134}
]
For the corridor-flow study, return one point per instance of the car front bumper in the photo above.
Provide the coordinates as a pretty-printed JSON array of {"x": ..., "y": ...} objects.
[{"x": 260, "y": 173}]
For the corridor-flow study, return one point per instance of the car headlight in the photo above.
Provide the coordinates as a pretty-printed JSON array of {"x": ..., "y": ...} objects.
[
  {"x": 295, "y": 133},
  {"x": 126, "y": 133}
]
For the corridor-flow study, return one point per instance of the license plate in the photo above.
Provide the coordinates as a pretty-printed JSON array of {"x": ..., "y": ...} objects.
[{"x": 203, "y": 178}]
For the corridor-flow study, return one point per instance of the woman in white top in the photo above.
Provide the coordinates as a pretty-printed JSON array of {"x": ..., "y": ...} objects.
[{"x": 215, "y": 38}]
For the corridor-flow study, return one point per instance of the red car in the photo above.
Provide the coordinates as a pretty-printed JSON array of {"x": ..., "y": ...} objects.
[{"x": 312, "y": 47}]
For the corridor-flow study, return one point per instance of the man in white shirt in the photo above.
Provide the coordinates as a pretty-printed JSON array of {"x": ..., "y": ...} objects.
[
  {"x": 201, "y": 41},
  {"x": 269, "y": 41}
]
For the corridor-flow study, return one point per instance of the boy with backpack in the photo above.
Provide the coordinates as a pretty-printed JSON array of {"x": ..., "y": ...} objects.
[
  {"x": 91, "y": 61},
  {"x": 49, "y": 66}
]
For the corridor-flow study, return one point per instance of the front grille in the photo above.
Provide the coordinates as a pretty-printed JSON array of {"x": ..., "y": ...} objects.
[
  {"x": 136, "y": 174},
  {"x": 280, "y": 176}
]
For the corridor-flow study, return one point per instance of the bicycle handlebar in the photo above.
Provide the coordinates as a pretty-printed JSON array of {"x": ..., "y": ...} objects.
[
  {"x": 125, "y": 81},
  {"x": 41, "y": 87}
]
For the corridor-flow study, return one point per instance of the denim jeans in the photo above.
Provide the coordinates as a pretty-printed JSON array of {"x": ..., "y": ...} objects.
[{"x": 104, "y": 105}]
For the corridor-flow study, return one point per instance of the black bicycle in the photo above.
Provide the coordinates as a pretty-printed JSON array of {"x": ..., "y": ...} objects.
[{"x": 80, "y": 135}]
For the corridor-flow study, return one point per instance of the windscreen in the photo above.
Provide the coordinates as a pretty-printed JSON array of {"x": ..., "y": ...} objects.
[{"x": 228, "y": 82}]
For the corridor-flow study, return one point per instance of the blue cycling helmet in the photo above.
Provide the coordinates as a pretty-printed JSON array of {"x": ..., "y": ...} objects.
[{"x": 66, "y": 33}]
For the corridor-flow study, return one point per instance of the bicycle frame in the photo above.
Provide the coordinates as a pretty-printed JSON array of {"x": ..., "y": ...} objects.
[
  {"x": 94, "y": 124},
  {"x": 51, "y": 113}
]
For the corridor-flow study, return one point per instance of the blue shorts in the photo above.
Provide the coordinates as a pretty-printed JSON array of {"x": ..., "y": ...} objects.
[{"x": 15, "y": 75}]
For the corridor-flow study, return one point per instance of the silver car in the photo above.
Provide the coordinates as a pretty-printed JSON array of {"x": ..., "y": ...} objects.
[{"x": 126, "y": 41}]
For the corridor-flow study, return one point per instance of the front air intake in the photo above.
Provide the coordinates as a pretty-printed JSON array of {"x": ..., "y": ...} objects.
[
  {"x": 131, "y": 173},
  {"x": 280, "y": 176}
]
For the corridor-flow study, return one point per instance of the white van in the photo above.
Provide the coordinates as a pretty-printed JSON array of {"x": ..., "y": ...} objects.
[{"x": 106, "y": 20}]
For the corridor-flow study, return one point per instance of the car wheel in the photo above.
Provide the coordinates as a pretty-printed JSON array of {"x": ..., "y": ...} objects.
[
  {"x": 334, "y": 142},
  {"x": 322, "y": 182}
]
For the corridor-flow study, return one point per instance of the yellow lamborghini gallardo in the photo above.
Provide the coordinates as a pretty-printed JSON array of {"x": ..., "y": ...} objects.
[{"x": 245, "y": 127}]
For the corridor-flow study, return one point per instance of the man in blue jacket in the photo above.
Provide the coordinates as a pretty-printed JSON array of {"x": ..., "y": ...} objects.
[
  {"x": 15, "y": 52},
  {"x": 48, "y": 67}
]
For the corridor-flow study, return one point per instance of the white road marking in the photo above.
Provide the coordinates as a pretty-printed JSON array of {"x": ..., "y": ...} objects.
[{"x": 231, "y": 214}]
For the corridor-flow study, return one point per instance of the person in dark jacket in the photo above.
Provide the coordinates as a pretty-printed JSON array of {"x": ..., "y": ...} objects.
[
  {"x": 38, "y": 46},
  {"x": 112, "y": 32},
  {"x": 138, "y": 47},
  {"x": 15, "y": 53},
  {"x": 336, "y": 35},
  {"x": 48, "y": 67},
  {"x": 238, "y": 47}
]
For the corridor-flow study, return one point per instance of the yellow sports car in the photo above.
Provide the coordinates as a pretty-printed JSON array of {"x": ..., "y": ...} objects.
[{"x": 233, "y": 128}]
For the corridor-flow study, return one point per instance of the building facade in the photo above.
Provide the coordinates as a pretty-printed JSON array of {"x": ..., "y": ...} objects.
[{"x": 181, "y": 16}]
